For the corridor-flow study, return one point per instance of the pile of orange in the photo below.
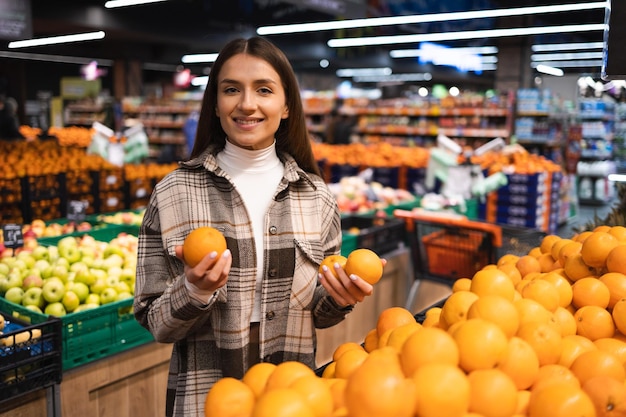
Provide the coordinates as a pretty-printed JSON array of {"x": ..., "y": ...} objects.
[{"x": 538, "y": 335}]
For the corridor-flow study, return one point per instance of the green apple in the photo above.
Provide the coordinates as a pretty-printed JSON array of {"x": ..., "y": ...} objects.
[
  {"x": 34, "y": 296},
  {"x": 108, "y": 295},
  {"x": 113, "y": 260},
  {"x": 14, "y": 279},
  {"x": 42, "y": 265},
  {"x": 113, "y": 249},
  {"x": 112, "y": 281},
  {"x": 53, "y": 290},
  {"x": 80, "y": 289},
  {"x": 123, "y": 295},
  {"x": 121, "y": 287},
  {"x": 98, "y": 286},
  {"x": 85, "y": 276},
  {"x": 4, "y": 268},
  {"x": 55, "y": 309},
  {"x": 28, "y": 259},
  {"x": 70, "y": 252},
  {"x": 93, "y": 298},
  {"x": 4, "y": 284},
  {"x": 41, "y": 253},
  {"x": 14, "y": 295},
  {"x": 114, "y": 271},
  {"x": 62, "y": 261},
  {"x": 60, "y": 271},
  {"x": 34, "y": 308},
  {"x": 86, "y": 306},
  {"x": 70, "y": 301}
]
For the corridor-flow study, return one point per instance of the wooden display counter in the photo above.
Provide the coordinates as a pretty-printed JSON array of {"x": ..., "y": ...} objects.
[{"x": 133, "y": 383}]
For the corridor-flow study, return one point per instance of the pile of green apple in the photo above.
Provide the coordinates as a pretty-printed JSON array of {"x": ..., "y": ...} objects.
[{"x": 79, "y": 273}]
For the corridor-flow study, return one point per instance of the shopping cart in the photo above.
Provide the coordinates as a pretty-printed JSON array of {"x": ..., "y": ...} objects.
[{"x": 448, "y": 246}]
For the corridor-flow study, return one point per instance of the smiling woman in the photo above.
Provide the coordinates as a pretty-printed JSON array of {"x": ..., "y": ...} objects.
[{"x": 253, "y": 177}]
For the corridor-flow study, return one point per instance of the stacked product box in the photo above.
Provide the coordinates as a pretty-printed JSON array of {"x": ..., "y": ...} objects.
[
  {"x": 528, "y": 200},
  {"x": 79, "y": 186},
  {"x": 110, "y": 194}
]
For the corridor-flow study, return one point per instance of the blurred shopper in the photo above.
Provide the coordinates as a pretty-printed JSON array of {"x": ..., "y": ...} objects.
[{"x": 9, "y": 122}]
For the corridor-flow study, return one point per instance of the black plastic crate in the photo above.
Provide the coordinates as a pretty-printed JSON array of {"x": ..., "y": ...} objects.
[
  {"x": 380, "y": 234},
  {"x": 30, "y": 356}
]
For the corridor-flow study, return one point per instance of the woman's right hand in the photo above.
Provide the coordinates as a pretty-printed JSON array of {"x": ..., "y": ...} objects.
[{"x": 211, "y": 273}]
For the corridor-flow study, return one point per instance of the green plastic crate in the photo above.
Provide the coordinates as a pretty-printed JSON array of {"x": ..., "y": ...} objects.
[
  {"x": 91, "y": 334},
  {"x": 104, "y": 233}
]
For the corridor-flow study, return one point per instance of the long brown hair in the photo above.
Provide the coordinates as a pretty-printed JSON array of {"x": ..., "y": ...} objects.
[{"x": 292, "y": 136}]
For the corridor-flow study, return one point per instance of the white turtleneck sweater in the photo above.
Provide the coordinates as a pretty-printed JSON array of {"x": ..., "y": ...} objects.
[{"x": 256, "y": 175}]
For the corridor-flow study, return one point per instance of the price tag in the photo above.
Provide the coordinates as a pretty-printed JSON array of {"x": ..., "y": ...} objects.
[
  {"x": 13, "y": 237},
  {"x": 76, "y": 210}
]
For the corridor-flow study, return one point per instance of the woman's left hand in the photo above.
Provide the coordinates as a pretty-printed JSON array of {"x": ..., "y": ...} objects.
[{"x": 345, "y": 290}]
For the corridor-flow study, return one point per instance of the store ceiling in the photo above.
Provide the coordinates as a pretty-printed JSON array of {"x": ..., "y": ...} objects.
[{"x": 162, "y": 32}]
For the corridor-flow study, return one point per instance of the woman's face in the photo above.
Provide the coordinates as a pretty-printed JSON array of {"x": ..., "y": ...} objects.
[{"x": 251, "y": 101}]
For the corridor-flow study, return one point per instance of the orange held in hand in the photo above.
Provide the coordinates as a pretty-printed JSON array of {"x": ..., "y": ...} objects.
[
  {"x": 330, "y": 261},
  {"x": 202, "y": 241},
  {"x": 366, "y": 264}
]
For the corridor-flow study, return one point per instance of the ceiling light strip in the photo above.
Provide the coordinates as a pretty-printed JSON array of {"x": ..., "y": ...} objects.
[
  {"x": 412, "y": 53},
  {"x": 427, "y": 18},
  {"x": 566, "y": 56},
  {"x": 550, "y": 47},
  {"x": 78, "y": 37},
  {"x": 123, "y": 3},
  {"x": 569, "y": 64},
  {"x": 55, "y": 58},
  {"x": 197, "y": 58},
  {"x": 449, "y": 36}
]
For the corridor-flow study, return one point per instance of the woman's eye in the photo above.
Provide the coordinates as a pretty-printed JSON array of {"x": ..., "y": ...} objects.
[
  {"x": 230, "y": 90},
  {"x": 265, "y": 90}
]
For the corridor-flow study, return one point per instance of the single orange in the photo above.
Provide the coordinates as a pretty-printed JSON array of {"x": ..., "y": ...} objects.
[
  {"x": 330, "y": 262},
  {"x": 348, "y": 362},
  {"x": 428, "y": 345},
  {"x": 596, "y": 248},
  {"x": 520, "y": 363},
  {"x": 507, "y": 258},
  {"x": 619, "y": 315},
  {"x": 498, "y": 310},
  {"x": 542, "y": 291},
  {"x": 616, "y": 283},
  {"x": 393, "y": 317},
  {"x": 441, "y": 389},
  {"x": 555, "y": 250},
  {"x": 511, "y": 270},
  {"x": 547, "y": 242},
  {"x": 575, "y": 268},
  {"x": 492, "y": 282},
  {"x": 461, "y": 284},
  {"x": 201, "y": 242},
  {"x": 487, "y": 384},
  {"x": 612, "y": 345},
  {"x": 229, "y": 397},
  {"x": 560, "y": 400},
  {"x": 366, "y": 264},
  {"x": 597, "y": 362},
  {"x": 256, "y": 376},
  {"x": 569, "y": 249},
  {"x": 608, "y": 396},
  {"x": 594, "y": 322},
  {"x": 562, "y": 285},
  {"x": 530, "y": 310},
  {"x": 527, "y": 264},
  {"x": 455, "y": 308},
  {"x": 316, "y": 393},
  {"x": 285, "y": 373},
  {"x": 616, "y": 260},
  {"x": 399, "y": 335},
  {"x": 432, "y": 317},
  {"x": 565, "y": 321},
  {"x": 482, "y": 344},
  {"x": 344, "y": 347},
  {"x": 554, "y": 373},
  {"x": 544, "y": 338},
  {"x": 619, "y": 232},
  {"x": 590, "y": 291},
  {"x": 371, "y": 340}
]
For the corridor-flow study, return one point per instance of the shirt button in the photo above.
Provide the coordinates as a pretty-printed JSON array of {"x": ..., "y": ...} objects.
[
  {"x": 270, "y": 315},
  {"x": 273, "y": 230},
  {"x": 272, "y": 272}
]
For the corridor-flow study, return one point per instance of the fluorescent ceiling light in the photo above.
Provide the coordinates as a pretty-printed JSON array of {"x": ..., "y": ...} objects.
[
  {"x": 353, "y": 72},
  {"x": 55, "y": 58},
  {"x": 427, "y": 18},
  {"x": 569, "y": 64},
  {"x": 414, "y": 53},
  {"x": 197, "y": 58},
  {"x": 200, "y": 81},
  {"x": 123, "y": 3},
  {"x": 393, "y": 77},
  {"x": 566, "y": 56},
  {"x": 450, "y": 36},
  {"x": 57, "y": 39},
  {"x": 549, "y": 47},
  {"x": 550, "y": 70}
]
